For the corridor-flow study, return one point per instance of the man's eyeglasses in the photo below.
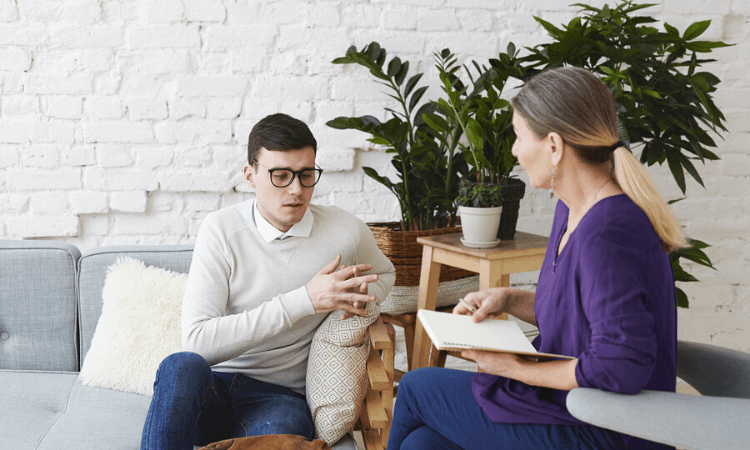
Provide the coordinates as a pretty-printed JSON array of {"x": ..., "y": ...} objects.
[{"x": 284, "y": 177}]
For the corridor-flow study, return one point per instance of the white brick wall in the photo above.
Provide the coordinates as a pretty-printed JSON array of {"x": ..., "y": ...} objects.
[{"x": 123, "y": 122}]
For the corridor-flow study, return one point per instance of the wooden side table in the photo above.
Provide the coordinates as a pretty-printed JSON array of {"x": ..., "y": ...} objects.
[{"x": 494, "y": 265}]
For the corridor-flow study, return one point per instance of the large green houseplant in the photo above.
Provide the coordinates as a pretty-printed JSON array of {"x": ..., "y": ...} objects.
[
  {"x": 660, "y": 86},
  {"x": 427, "y": 166}
]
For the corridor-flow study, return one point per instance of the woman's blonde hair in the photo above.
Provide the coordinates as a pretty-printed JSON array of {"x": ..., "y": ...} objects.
[{"x": 577, "y": 105}]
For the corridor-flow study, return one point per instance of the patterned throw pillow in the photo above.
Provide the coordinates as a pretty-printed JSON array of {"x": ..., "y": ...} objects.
[{"x": 336, "y": 373}]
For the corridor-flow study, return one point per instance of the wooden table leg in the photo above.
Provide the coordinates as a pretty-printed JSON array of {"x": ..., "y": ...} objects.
[
  {"x": 490, "y": 276},
  {"x": 428, "y": 287}
]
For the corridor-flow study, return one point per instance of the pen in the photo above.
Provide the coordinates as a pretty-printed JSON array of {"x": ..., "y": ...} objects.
[{"x": 472, "y": 309}]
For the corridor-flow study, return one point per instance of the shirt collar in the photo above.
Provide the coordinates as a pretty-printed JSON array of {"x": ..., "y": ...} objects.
[{"x": 270, "y": 233}]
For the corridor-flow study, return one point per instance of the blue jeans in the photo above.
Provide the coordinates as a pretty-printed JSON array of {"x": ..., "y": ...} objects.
[
  {"x": 435, "y": 409},
  {"x": 193, "y": 405}
]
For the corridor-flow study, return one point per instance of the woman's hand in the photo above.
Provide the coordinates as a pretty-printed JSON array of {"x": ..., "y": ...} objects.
[
  {"x": 555, "y": 374},
  {"x": 516, "y": 302},
  {"x": 503, "y": 364},
  {"x": 487, "y": 302}
]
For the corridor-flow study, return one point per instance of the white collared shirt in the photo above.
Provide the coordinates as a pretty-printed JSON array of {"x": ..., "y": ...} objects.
[{"x": 270, "y": 233}]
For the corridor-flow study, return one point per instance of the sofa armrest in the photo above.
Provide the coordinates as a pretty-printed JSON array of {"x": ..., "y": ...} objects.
[
  {"x": 375, "y": 419},
  {"x": 688, "y": 421}
]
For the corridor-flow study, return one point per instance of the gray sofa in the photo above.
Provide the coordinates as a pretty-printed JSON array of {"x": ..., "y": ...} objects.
[{"x": 50, "y": 302}]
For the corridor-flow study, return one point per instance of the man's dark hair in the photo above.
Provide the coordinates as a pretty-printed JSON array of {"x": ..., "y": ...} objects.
[{"x": 279, "y": 132}]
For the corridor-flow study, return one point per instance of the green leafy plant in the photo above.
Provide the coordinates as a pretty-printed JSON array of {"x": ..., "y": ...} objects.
[
  {"x": 479, "y": 195},
  {"x": 427, "y": 164},
  {"x": 664, "y": 99},
  {"x": 477, "y": 112},
  {"x": 692, "y": 253}
]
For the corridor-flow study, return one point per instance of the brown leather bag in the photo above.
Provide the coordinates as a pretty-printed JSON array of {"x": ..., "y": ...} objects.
[{"x": 269, "y": 442}]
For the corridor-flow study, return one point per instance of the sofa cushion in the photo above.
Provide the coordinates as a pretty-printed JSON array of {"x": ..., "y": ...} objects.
[
  {"x": 92, "y": 271},
  {"x": 138, "y": 328},
  {"x": 98, "y": 418},
  {"x": 55, "y": 411},
  {"x": 30, "y": 404},
  {"x": 38, "y": 305}
]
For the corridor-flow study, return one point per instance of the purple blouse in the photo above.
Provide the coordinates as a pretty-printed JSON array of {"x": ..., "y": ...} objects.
[{"x": 607, "y": 299}]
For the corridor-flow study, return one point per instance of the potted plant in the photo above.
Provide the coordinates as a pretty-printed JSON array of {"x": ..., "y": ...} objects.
[
  {"x": 476, "y": 114},
  {"x": 428, "y": 169},
  {"x": 480, "y": 206},
  {"x": 663, "y": 95},
  {"x": 479, "y": 201}
]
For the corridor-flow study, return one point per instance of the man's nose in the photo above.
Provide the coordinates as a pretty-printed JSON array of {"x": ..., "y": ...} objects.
[{"x": 295, "y": 186}]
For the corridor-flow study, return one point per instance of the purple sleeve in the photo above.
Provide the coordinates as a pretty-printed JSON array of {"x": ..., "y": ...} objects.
[{"x": 621, "y": 355}]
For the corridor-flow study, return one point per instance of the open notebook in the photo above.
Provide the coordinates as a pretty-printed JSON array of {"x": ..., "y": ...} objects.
[{"x": 457, "y": 332}]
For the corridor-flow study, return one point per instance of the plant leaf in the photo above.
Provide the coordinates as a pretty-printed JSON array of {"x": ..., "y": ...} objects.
[
  {"x": 416, "y": 97},
  {"x": 411, "y": 84},
  {"x": 475, "y": 134},
  {"x": 696, "y": 29}
]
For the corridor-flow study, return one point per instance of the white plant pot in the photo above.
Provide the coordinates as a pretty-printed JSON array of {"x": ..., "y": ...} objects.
[{"x": 479, "y": 226}]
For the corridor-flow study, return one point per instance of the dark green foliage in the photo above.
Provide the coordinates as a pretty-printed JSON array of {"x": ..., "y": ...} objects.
[
  {"x": 479, "y": 195},
  {"x": 693, "y": 253},
  {"x": 477, "y": 111},
  {"x": 427, "y": 164},
  {"x": 664, "y": 98}
]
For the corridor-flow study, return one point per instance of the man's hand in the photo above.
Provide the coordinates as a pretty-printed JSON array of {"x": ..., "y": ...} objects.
[
  {"x": 362, "y": 289},
  {"x": 330, "y": 290}
]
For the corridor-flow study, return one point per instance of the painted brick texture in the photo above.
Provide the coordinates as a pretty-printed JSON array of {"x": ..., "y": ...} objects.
[{"x": 123, "y": 122}]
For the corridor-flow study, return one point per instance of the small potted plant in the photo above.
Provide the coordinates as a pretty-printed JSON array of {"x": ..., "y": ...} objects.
[
  {"x": 479, "y": 201},
  {"x": 480, "y": 206},
  {"x": 481, "y": 121}
]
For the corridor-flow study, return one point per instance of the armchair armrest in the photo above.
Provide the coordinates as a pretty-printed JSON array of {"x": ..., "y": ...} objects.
[
  {"x": 688, "y": 421},
  {"x": 714, "y": 371},
  {"x": 375, "y": 419}
]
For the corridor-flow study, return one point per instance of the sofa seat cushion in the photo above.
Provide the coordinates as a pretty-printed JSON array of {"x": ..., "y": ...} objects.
[
  {"x": 98, "y": 418},
  {"x": 55, "y": 411},
  {"x": 30, "y": 404},
  {"x": 46, "y": 411}
]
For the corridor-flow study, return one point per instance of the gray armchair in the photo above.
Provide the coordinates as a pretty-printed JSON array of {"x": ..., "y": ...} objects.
[{"x": 717, "y": 419}]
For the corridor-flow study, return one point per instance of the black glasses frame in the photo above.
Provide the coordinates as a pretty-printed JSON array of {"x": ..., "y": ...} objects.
[{"x": 295, "y": 174}]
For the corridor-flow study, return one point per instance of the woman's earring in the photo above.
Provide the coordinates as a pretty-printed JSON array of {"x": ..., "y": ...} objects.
[{"x": 551, "y": 183}]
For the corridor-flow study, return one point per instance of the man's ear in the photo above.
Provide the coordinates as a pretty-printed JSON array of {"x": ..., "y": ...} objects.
[
  {"x": 249, "y": 175},
  {"x": 556, "y": 147}
]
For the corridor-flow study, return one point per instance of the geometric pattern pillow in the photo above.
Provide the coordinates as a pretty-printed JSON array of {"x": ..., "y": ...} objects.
[
  {"x": 138, "y": 328},
  {"x": 336, "y": 373}
]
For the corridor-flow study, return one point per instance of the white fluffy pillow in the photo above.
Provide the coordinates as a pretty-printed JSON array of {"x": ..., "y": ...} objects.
[
  {"x": 138, "y": 328},
  {"x": 336, "y": 373}
]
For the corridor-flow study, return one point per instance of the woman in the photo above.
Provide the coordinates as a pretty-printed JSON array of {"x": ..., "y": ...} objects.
[{"x": 605, "y": 294}]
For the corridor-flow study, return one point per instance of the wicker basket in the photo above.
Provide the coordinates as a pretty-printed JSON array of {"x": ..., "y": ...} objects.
[
  {"x": 402, "y": 248},
  {"x": 403, "y": 299}
]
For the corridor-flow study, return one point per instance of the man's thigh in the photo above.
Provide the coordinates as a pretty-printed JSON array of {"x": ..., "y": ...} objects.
[
  {"x": 260, "y": 408},
  {"x": 215, "y": 422}
]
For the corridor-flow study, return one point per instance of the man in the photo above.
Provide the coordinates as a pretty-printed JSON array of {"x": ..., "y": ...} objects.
[{"x": 264, "y": 275}]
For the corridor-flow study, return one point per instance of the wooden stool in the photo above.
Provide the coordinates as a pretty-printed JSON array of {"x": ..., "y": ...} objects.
[
  {"x": 408, "y": 321},
  {"x": 494, "y": 265}
]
